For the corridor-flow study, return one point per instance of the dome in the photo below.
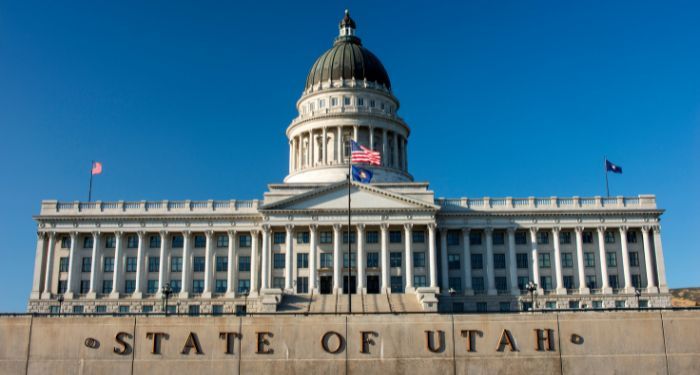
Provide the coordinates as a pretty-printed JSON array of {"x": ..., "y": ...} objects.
[{"x": 348, "y": 59}]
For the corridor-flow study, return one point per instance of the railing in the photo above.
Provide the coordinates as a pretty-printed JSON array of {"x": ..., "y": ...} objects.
[
  {"x": 52, "y": 207},
  {"x": 551, "y": 203}
]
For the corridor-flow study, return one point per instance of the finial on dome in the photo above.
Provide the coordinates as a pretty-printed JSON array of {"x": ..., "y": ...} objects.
[{"x": 347, "y": 25}]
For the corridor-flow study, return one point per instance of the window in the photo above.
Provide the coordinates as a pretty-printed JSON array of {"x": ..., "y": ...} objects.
[
  {"x": 65, "y": 242},
  {"x": 522, "y": 282},
  {"x": 372, "y": 260},
  {"x": 455, "y": 283},
  {"x": 152, "y": 286},
  {"x": 244, "y": 240},
  {"x": 371, "y": 103},
  {"x": 499, "y": 261},
  {"x": 457, "y": 307},
  {"x": 303, "y": 237},
  {"x": 567, "y": 260},
  {"x": 108, "y": 264},
  {"x": 326, "y": 237},
  {"x": 360, "y": 101},
  {"x": 353, "y": 237},
  {"x": 597, "y": 304},
  {"x": 396, "y": 284},
  {"x": 545, "y": 261},
  {"x": 381, "y": 105},
  {"x": 591, "y": 282},
  {"x": 217, "y": 309},
  {"x": 244, "y": 263},
  {"x": 177, "y": 242},
  {"x": 153, "y": 264},
  {"x": 418, "y": 236},
  {"x": 222, "y": 240},
  {"x": 62, "y": 286},
  {"x": 520, "y": 238},
  {"x": 322, "y": 103},
  {"x": 63, "y": 264},
  {"x": 372, "y": 236},
  {"x": 109, "y": 241},
  {"x": 643, "y": 303},
  {"x": 243, "y": 286},
  {"x": 193, "y": 310},
  {"x": 565, "y": 238},
  {"x": 334, "y": 102},
  {"x": 106, "y": 286},
  {"x": 550, "y": 305},
  {"x": 278, "y": 237},
  {"x": 499, "y": 238},
  {"x": 474, "y": 238},
  {"x": 345, "y": 260},
  {"x": 452, "y": 237},
  {"x": 574, "y": 305},
  {"x": 278, "y": 261},
  {"x": 418, "y": 259},
  {"x": 78, "y": 309},
  {"x": 87, "y": 242},
  {"x": 302, "y": 260},
  {"x": 546, "y": 282},
  {"x": 395, "y": 236},
  {"x": 589, "y": 259},
  {"x": 542, "y": 238},
  {"x": 477, "y": 261},
  {"x": 197, "y": 286},
  {"x": 198, "y": 264},
  {"x": 153, "y": 241},
  {"x": 176, "y": 264},
  {"x": 453, "y": 261},
  {"x": 326, "y": 260},
  {"x": 636, "y": 281},
  {"x": 611, "y": 259},
  {"x": 568, "y": 282},
  {"x": 132, "y": 242},
  {"x": 501, "y": 283},
  {"x": 220, "y": 286},
  {"x": 100, "y": 309},
  {"x": 620, "y": 304},
  {"x": 504, "y": 306},
  {"x": 395, "y": 259},
  {"x": 521, "y": 260},
  {"x": 346, "y": 100},
  {"x": 632, "y": 237},
  {"x": 419, "y": 281},
  {"x": 129, "y": 286},
  {"x": 131, "y": 264},
  {"x": 481, "y": 307},
  {"x": 86, "y": 264},
  {"x": 84, "y": 286},
  {"x": 221, "y": 264},
  {"x": 609, "y": 237},
  {"x": 176, "y": 285},
  {"x": 199, "y": 241},
  {"x": 302, "y": 284},
  {"x": 634, "y": 259},
  {"x": 123, "y": 309},
  {"x": 587, "y": 237},
  {"x": 478, "y": 284}
]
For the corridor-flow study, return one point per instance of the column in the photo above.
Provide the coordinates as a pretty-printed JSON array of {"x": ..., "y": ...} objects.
[
  {"x": 265, "y": 263},
  {"x": 408, "y": 241},
  {"x": 445, "y": 284},
  {"x": 660, "y": 266},
  {"x": 512, "y": 263},
  {"x": 371, "y": 137},
  {"x": 385, "y": 149},
  {"x": 603, "y": 261},
  {"x": 355, "y": 132},
  {"x": 38, "y": 263},
  {"x": 94, "y": 265},
  {"x": 312, "y": 146},
  {"x": 648, "y": 261},
  {"x": 138, "y": 291},
  {"x": 385, "y": 257},
  {"x": 431, "y": 256},
  {"x": 312, "y": 257},
  {"x": 324, "y": 147},
  {"x": 405, "y": 154},
  {"x": 232, "y": 266},
  {"x": 72, "y": 264},
  {"x": 336, "y": 257},
  {"x": 186, "y": 276},
  {"x": 557, "y": 262},
  {"x": 360, "y": 258},
  {"x": 48, "y": 276},
  {"x": 208, "y": 258},
  {"x": 629, "y": 288},
  {"x": 163, "y": 264},
  {"x": 291, "y": 156},
  {"x": 288, "y": 244},
  {"x": 490, "y": 274},
  {"x": 254, "y": 286},
  {"x": 582, "y": 287},
  {"x": 339, "y": 145},
  {"x": 535, "y": 260},
  {"x": 118, "y": 266},
  {"x": 467, "y": 262},
  {"x": 396, "y": 150}
]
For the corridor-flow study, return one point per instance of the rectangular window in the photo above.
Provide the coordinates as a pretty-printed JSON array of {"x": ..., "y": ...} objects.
[
  {"x": 373, "y": 260},
  {"x": 302, "y": 260},
  {"x": 568, "y": 282},
  {"x": 395, "y": 259},
  {"x": 587, "y": 237},
  {"x": 108, "y": 265},
  {"x": 65, "y": 242},
  {"x": 477, "y": 261},
  {"x": 322, "y": 103},
  {"x": 244, "y": 240},
  {"x": 396, "y": 284},
  {"x": 176, "y": 264},
  {"x": 106, "y": 286},
  {"x": 278, "y": 237},
  {"x": 545, "y": 261},
  {"x": 574, "y": 305},
  {"x": 419, "y": 259},
  {"x": 123, "y": 309},
  {"x": 278, "y": 261},
  {"x": 609, "y": 237},
  {"x": 177, "y": 242},
  {"x": 152, "y": 287},
  {"x": 130, "y": 264},
  {"x": 220, "y": 286},
  {"x": 244, "y": 264},
  {"x": 345, "y": 260},
  {"x": 478, "y": 284},
  {"x": 395, "y": 236},
  {"x": 419, "y": 281},
  {"x": 522, "y": 282},
  {"x": 520, "y": 238},
  {"x": 565, "y": 238},
  {"x": 193, "y": 310},
  {"x": 453, "y": 237},
  {"x": 198, "y": 264},
  {"x": 620, "y": 304},
  {"x": 504, "y": 306},
  {"x": 222, "y": 240},
  {"x": 453, "y": 261},
  {"x": 611, "y": 259},
  {"x": 482, "y": 307},
  {"x": 499, "y": 238},
  {"x": 567, "y": 260},
  {"x": 243, "y": 286},
  {"x": 550, "y": 305},
  {"x": 521, "y": 260},
  {"x": 542, "y": 238},
  {"x": 589, "y": 259},
  {"x": 221, "y": 264},
  {"x": 302, "y": 284},
  {"x": 278, "y": 282},
  {"x": 334, "y": 102},
  {"x": 153, "y": 264},
  {"x": 634, "y": 259},
  {"x": 217, "y": 310},
  {"x": 353, "y": 237},
  {"x": 154, "y": 242},
  {"x": 636, "y": 281},
  {"x": 129, "y": 286},
  {"x": 109, "y": 241},
  {"x": 499, "y": 261},
  {"x": 62, "y": 286},
  {"x": 84, "y": 286},
  {"x": 326, "y": 237},
  {"x": 612, "y": 281},
  {"x": 455, "y": 283},
  {"x": 632, "y": 237},
  {"x": 346, "y": 100},
  {"x": 63, "y": 264},
  {"x": 474, "y": 238},
  {"x": 86, "y": 264},
  {"x": 546, "y": 282},
  {"x": 100, "y": 309},
  {"x": 303, "y": 237},
  {"x": 501, "y": 283},
  {"x": 591, "y": 282},
  {"x": 360, "y": 101},
  {"x": 326, "y": 260},
  {"x": 87, "y": 242},
  {"x": 78, "y": 309},
  {"x": 418, "y": 236},
  {"x": 199, "y": 241},
  {"x": 176, "y": 285},
  {"x": 372, "y": 236},
  {"x": 132, "y": 242},
  {"x": 197, "y": 286},
  {"x": 371, "y": 103}
]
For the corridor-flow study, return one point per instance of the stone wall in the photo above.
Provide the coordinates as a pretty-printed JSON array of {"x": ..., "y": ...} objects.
[{"x": 570, "y": 343}]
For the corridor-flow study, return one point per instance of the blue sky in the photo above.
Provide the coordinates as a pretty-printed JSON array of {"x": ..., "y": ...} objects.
[{"x": 190, "y": 100}]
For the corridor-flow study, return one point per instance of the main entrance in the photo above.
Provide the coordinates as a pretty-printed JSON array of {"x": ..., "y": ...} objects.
[
  {"x": 326, "y": 284},
  {"x": 372, "y": 284},
  {"x": 353, "y": 284}
]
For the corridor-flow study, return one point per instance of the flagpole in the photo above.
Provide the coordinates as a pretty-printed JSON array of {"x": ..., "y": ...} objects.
[
  {"x": 90, "y": 189},
  {"x": 349, "y": 229},
  {"x": 605, "y": 167}
]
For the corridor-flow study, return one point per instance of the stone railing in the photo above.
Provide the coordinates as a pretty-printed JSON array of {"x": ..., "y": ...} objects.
[
  {"x": 322, "y": 112},
  {"x": 52, "y": 207},
  {"x": 545, "y": 204}
]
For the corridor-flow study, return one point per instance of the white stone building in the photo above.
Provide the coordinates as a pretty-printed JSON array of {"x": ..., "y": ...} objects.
[{"x": 289, "y": 251}]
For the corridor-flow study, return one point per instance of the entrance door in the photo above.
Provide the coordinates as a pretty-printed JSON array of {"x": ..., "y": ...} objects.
[
  {"x": 326, "y": 284},
  {"x": 372, "y": 284},
  {"x": 353, "y": 284}
]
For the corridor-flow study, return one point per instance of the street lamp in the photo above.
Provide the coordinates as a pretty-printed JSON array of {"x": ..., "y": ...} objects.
[
  {"x": 166, "y": 292},
  {"x": 637, "y": 293},
  {"x": 532, "y": 288},
  {"x": 60, "y": 303}
]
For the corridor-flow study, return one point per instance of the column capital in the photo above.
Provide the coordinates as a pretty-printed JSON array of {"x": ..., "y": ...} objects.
[
  {"x": 313, "y": 227},
  {"x": 141, "y": 234},
  {"x": 95, "y": 234},
  {"x": 601, "y": 228},
  {"x": 533, "y": 231},
  {"x": 384, "y": 226},
  {"x": 73, "y": 235},
  {"x": 163, "y": 233},
  {"x": 466, "y": 230},
  {"x": 255, "y": 232},
  {"x": 186, "y": 233},
  {"x": 118, "y": 234},
  {"x": 360, "y": 227},
  {"x": 488, "y": 230},
  {"x": 289, "y": 227},
  {"x": 556, "y": 229},
  {"x": 337, "y": 227},
  {"x": 579, "y": 229},
  {"x": 231, "y": 232},
  {"x": 623, "y": 229},
  {"x": 40, "y": 235},
  {"x": 408, "y": 226},
  {"x": 266, "y": 228},
  {"x": 209, "y": 233},
  {"x": 50, "y": 234},
  {"x": 432, "y": 226},
  {"x": 656, "y": 228},
  {"x": 645, "y": 228}
]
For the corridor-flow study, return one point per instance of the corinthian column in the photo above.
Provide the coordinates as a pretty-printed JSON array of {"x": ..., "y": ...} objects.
[
  {"x": 582, "y": 287},
  {"x": 443, "y": 260},
  {"x": 603, "y": 261},
  {"x": 208, "y": 258},
  {"x": 660, "y": 265},
  {"x": 408, "y": 235},
  {"x": 629, "y": 288},
  {"x": 163, "y": 263},
  {"x": 535, "y": 260},
  {"x": 312, "y": 257},
  {"x": 648, "y": 262},
  {"x": 490, "y": 273},
  {"x": 117, "y": 279},
  {"x": 336, "y": 257},
  {"x": 512, "y": 263},
  {"x": 361, "y": 259},
  {"x": 94, "y": 266},
  {"x": 232, "y": 266},
  {"x": 72, "y": 265},
  {"x": 49, "y": 266},
  {"x": 557, "y": 260},
  {"x": 39, "y": 258},
  {"x": 385, "y": 257},
  {"x": 432, "y": 259},
  {"x": 289, "y": 239}
]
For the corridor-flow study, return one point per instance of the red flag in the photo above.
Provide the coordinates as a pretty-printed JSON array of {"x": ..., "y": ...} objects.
[{"x": 96, "y": 167}]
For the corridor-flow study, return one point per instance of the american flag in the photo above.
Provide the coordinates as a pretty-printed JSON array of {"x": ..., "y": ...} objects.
[{"x": 361, "y": 154}]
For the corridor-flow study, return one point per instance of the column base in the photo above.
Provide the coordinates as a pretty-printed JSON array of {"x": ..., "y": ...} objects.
[
  {"x": 91, "y": 295},
  {"x": 561, "y": 291},
  {"x": 584, "y": 291},
  {"x": 68, "y": 295},
  {"x": 184, "y": 295},
  {"x": 137, "y": 295},
  {"x": 35, "y": 295},
  {"x": 206, "y": 295},
  {"x": 606, "y": 290},
  {"x": 46, "y": 295},
  {"x": 629, "y": 290},
  {"x": 652, "y": 290},
  {"x": 409, "y": 289},
  {"x": 492, "y": 292},
  {"x": 230, "y": 294},
  {"x": 114, "y": 295},
  {"x": 663, "y": 289}
]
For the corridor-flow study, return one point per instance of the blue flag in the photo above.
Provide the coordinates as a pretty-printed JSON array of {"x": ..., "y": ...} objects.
[
  {"x": 361, "y": 174},
  {"x": 610, "y": 167}
]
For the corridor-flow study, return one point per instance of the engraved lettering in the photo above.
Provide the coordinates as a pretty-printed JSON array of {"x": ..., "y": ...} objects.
[
  {"x": 125, "y": 346},
  {"x": 471, "y": 334},
  {"x": 156, "y": 337},
  {"x": 325, "y": 340},
  {"x": 263, "y": 343},
  {"x": 367, "y": 341},
  {"x": 430, "y": 341},
  {"x": 192, "y": 343},
  {"x": 230, "y": 338},
  {"x": 542, "y": 336},
  {"x": 506, "y": 340}
]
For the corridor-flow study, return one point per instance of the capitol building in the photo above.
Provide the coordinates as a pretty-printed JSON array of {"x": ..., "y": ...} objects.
[{"x": 404, "y": 250}]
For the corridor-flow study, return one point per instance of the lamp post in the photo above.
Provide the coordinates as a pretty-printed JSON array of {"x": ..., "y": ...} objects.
[
  {"x": 60, "y": 304},
  {"x": 245, "y": 302},
  {"x": 532, "y": 288},
  {"x": 452, "y": 292},
  {"x": 166, "y": 292},
  {"x": 637, "y": 293}
]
